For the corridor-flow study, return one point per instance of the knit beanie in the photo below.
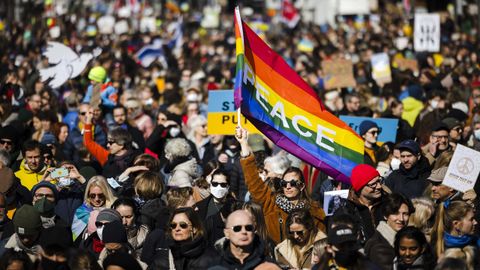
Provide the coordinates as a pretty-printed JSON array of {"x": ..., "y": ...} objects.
[
  {"x": 27, "y": 220},
  {"x": 361, "y": 175},
  {"x": 109, "y": 215},
  {"x": 97, "y": 74},
  {"x": 46, "y": 184},
  {"x": 366, "y": 126},
  {"x": 114, "y": 232}
]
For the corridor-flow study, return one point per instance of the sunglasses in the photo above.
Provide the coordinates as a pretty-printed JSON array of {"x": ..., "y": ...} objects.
[
  {"x": 110, "y": 142},
  {"x": 299, "y": 233},
  {"x": 99, "y": 224},
  {"x": 6, "y": 142},
  {"x": 92, "y": 196},
  {"x": 238, "y": 228},
  {"x": 223, "y": 185},
  {"x": 183, "y": 225},
  {"x": 293, "y": 183},
  {"x": 83, "y": 113},
  {"x": 374, "y": 132}
]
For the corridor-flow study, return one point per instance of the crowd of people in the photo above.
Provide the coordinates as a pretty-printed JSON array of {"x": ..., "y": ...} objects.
[{"x": 115, "y": 169}]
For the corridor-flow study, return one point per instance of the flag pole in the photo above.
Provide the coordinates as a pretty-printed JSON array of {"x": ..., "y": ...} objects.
[{"x": 238, "y": 117}]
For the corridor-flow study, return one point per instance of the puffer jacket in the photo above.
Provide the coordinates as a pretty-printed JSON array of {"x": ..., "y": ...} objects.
[{"x": 275, "y": 217}]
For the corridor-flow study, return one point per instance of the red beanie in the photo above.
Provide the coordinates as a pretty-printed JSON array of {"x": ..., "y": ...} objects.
[{"x": 361, "y": 175}]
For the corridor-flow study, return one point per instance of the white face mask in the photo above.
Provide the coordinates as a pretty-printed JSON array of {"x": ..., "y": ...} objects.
[
  {"x": 476, "y": 133},
  {"x": 174, "y": 131},
  {"x": 100, "y": 232},
  {"x": 395, "y": 163},
  {"x": 192, "y": 97},
  {"x": 218, "y": 192},
  {"x": 434, "y": 104}
]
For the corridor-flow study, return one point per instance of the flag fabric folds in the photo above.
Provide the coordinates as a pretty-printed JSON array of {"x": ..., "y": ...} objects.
[{"x": 285, "y": 109}]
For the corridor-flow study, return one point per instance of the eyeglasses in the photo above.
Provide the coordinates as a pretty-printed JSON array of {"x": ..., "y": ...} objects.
[
  {"x": 215, "y": 184},
  {"x": 458, "y": 129},
  {"x": 238, "y": 228},
  {"x": 183, "y": 225},
  {"x": 299, "y": 233},
  {"x": 6, "y": 142},
  {"x": 41, "y": 195},
  {"x": 374, "y": 184},
  {"x": 92, "y": 196},
  {"x": 83, "y": 113},
  {"x": 99, "y": 224},
  {"x": 293, "y": 183},
  {"x": 374, "y": 132}
]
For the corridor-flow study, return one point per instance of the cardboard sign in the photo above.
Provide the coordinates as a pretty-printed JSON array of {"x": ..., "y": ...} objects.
[
  {"x": 381, "y": 71},
  {"x": 463, "y": 170},
  {"x": 426, "y": 35},
  {"x": 222, "y": 117},
  {"x": 338, "y": 74},
  {"x": 332, "y": 200},
  {"x": 389, "y": 126},
  {"x": 404, "y": 64}
]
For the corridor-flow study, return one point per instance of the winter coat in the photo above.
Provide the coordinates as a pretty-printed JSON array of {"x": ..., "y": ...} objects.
[
  {"x": 431, "y": 159},
  {"x": 153, "y": 245},
  {"x": 411, "y": 109},
  {"x": 69, "y": 199},
  {"x": 34, "y": 252},
  {"x": 411, "y": 183},
  {"x": 365, "y": 219},
  {"x": 286, "y": 256},
  {"x": 184, "y": 173},
  {"x": 186, "y": 255},
  {"x": 29, "y": 178},
  {"x": 379, "y": 248},
  {"x": 419, "y": 264},
  {"x": 154, "y": 214},
  {"x": 255, "y": 260},
  {"x": 274, "y": 215}
]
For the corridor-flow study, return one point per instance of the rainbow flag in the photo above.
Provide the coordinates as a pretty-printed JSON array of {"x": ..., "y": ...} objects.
[{"x": 285, "y": 109}]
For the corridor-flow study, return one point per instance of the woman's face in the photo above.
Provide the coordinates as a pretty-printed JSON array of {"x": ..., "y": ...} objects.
[
  {"x": 62, "y": 136},
  {"x": 127, "y": 214},
  {"x": 96, "y": 196},
  {"x": 400, "y": 219},
  {"x": 46, "y": 124},
  {"x": 291, "y": 185},
  {"x": 467, "y": 224},
  {"x": 37, "y": 124},
  {"x": 409, "y": 250},
  {"x": 298, "y": 233},
  {"x": 181, "y": 227}
]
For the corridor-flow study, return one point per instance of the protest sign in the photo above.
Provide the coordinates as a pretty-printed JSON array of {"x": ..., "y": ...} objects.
[
  {"x": 463, "y": 170},
  {"x": 332, "y": 200},
  {"x": 222, "y": 116},
  {"x": 381, "y": 71},
  {"x": 338, "y": 74},
  {"x": 388, "y": 126},
  {"x": 426, "y": 35},
  {"x": 405, "y": 64}
]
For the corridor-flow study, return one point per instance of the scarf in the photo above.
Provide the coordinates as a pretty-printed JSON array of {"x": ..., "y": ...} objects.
[
  {"x": 80, "y": 220},
  {"x": 97, "y": 245},
  {"x": 286, "y": 205},
  {"x": 459, "y": 241},
  {"x": 48, "y": 222}
]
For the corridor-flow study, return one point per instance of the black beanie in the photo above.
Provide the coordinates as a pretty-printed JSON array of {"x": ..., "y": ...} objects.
[
  {"x": 114, "y": 232},
  {"x": 122, "y": 259}
]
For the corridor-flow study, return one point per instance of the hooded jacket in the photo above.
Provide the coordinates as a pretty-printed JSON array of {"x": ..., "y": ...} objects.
[
  {"x": 27, "y": 177},
  {"x": 411, "y": 109},
  {"x": 410, "y": 183}
]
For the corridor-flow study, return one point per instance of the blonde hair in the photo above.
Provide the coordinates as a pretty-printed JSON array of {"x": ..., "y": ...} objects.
[
  {"x": 101, "y": 182},
  {"x": 424, "y": 210},
  {"x": 148, "y": 185},
  {"x": 455, "y": 211},
  {"x": 319, "y": 247},
  {"x": 467, "y": 254}
]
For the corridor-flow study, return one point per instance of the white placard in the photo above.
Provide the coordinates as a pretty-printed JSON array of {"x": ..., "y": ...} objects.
[
  {"x": 427, "y": 32},
  {"x": 331, "y": 200},
  {"x": 463, "y": 170}
]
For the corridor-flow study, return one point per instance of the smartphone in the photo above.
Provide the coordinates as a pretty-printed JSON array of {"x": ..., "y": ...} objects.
[{"x": 59, "y": 172}]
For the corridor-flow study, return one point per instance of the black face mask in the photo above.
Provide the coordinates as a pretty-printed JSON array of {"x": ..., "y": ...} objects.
[{"x": 345, "y": 258}]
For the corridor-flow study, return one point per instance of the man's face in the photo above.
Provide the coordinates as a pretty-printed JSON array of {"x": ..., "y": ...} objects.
[
  {"x": 6, "y": 144},
  {"x": 119, "y": 116},
  {"x": 43, "y": 192},
  {"x": 35, "y": 102},
  {"x": 408, "y": 159},
  {"x": 28, "y": 240},
  {"x": 440, "y": 137},
  {"x": 371, "y": 135},
  {"x": 440, "y": 192},
  {"x": 34, "y": 160},
  {"x": 372, "y": 190},
  {"x": 456, "y": 133},
  {"x": 238, "y": 229},
  {"x": 82, "y": 112},
  {"x": 354, "y": 104}
]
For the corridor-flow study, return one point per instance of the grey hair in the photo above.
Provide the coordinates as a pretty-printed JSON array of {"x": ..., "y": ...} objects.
[
  {"x": 194, "y": 122},
  {"x": 178, "y": 147},
  {"x": 279, "y": 164},
  {"x": 4, "y": 158}
]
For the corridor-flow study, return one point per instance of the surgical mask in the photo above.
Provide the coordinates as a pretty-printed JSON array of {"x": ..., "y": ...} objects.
[
  {"x": 476, "y": 133},
  {"x": 45, "y": 207},
  {"x": 64, "y": 182},
  {"x": 434, "y": 104},
  {"x": 174, "y": 131},
  {"x": 218, "y": 191},
  {"x": 192, "y": 97},
  {"x": 100, "y": 232},
  {"x": 345, "y": 258},
  {"x": 395, "y": 163}
]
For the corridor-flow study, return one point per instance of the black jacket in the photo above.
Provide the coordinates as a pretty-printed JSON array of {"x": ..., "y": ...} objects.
[
  {"x": 116, "y": 165},
  {"x": 154, "y": 214},
  {"x": 226, "y": 260},
  {"x": 155, "y": 242},
  {"x": 378, "y": 250},
  {"x": 187, "y": 255},
  {"x": 410, "y": 183}
]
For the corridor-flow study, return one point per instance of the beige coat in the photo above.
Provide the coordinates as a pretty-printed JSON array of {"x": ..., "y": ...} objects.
[{"x": 285, "y": 253}]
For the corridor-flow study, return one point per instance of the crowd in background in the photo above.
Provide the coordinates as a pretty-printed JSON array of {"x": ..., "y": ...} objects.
[{"x": 116, "y": 168}]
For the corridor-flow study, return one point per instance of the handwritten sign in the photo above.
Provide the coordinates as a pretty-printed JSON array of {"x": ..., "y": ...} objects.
[
  {"x": 338, "y": 74},
  {"x": 427, "y": 33},
  {"x": 222, "y": 117},
  {"x": 463, "y": 170}
]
